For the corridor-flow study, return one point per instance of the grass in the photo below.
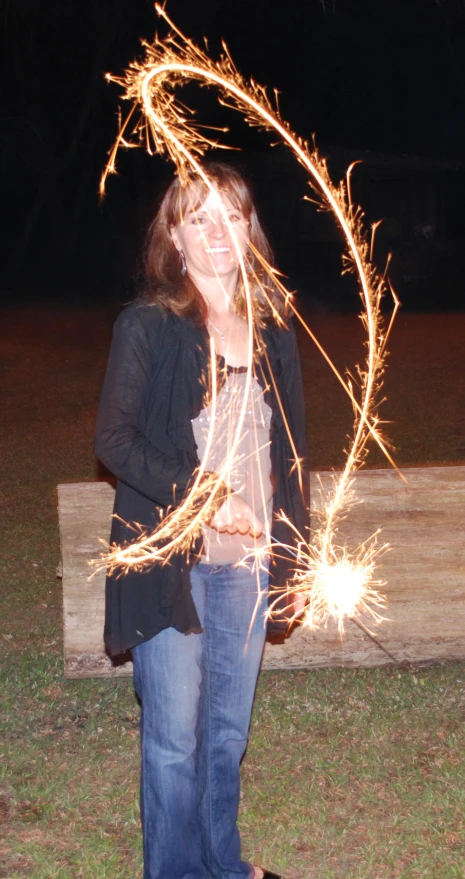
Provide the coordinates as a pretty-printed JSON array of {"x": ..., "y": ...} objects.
[{"x": 349, "y": 774}]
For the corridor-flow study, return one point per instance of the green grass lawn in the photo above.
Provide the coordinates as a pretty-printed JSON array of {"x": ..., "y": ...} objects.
[{"x": 349, "y": 774}]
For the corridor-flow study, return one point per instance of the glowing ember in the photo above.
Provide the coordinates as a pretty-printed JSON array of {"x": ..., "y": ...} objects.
[
  {"x": 341, "y": 590},
  {"x": 345, "y": 585},
  {"x": 334, "y": 583}
]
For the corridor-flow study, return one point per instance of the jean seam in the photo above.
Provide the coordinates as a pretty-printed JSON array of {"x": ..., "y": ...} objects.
[{"x": 210, "y": 732}]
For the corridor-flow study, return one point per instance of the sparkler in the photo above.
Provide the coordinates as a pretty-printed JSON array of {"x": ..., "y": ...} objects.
[{"x": 334, "y": 582}]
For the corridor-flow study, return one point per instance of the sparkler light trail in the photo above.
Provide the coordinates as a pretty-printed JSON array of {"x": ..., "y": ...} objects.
[{"x": 334, "y": 582}]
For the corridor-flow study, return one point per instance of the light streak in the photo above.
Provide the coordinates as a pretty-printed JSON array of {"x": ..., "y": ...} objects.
[{"x": 334, "y": 581}]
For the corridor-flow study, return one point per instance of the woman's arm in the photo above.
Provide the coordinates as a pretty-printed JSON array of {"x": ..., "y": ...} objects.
[
  {"x": 120, "y": 442},
  {"x": 292, "y": 375},
  {"x": 294, "y": 383}
]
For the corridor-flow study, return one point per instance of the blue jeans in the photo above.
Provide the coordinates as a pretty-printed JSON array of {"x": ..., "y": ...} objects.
[{"x": 197, "y": 693}]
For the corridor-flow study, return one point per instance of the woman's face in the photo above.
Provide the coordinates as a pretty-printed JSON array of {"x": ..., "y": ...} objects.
[{"x": 206, "y": 240}]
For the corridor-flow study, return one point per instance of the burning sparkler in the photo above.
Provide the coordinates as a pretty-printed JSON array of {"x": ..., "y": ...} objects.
[{"x": 334, "y": 582}]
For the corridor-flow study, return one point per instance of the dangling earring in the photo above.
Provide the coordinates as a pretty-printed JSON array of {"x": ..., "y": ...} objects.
[{"x": 182, "y": 260}]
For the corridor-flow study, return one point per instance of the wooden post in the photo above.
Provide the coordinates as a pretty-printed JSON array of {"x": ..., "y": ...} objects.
[{"x": 423, "y": 521}]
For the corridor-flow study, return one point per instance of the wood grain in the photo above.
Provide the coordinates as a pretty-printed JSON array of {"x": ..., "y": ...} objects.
[{"x": 423, "y": 521}]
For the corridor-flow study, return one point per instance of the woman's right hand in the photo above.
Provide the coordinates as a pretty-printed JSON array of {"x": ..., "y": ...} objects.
[{"x": 236, "y": 516}]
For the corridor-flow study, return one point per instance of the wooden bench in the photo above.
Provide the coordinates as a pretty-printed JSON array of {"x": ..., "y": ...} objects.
[{"x": 423, "y": 521}]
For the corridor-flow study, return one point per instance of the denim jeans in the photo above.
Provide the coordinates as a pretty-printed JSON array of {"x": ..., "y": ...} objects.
[{"x": 197, "y": 693}]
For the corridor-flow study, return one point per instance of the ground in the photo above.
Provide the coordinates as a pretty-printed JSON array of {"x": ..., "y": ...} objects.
[{"x": 349, "y": 774}]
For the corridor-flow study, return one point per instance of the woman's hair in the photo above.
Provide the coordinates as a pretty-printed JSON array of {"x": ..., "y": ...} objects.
[{"x": 167, "y": 286}]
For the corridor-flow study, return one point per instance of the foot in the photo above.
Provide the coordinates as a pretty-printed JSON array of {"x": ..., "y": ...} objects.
[{"x": 264, "y": 874}]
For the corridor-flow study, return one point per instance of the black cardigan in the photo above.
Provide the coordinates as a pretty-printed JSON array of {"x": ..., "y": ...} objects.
[{"x": 154, "y": 387}]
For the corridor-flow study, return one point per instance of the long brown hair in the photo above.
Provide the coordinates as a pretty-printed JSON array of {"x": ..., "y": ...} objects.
[{"x": 165, "y": 285}]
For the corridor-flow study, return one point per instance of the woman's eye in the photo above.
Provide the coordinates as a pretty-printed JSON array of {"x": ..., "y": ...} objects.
[{"x": 198, "y": 221}]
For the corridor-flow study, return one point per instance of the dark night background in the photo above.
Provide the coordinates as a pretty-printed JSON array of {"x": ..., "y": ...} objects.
[{"x": 380, "y": 81}]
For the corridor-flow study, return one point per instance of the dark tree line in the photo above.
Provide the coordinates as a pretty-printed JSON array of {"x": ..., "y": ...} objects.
[
  {"x": 58, "y": 115},
  {"x": 57, "y": 121}
]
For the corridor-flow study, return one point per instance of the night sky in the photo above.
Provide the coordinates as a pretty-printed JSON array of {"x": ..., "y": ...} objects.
[{"x": 385, "y": 76}]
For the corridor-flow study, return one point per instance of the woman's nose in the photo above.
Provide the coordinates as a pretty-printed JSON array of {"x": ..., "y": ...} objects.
[{"x": 218, "y": 229}]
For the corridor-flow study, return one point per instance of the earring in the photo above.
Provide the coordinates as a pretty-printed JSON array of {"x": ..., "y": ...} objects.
[{"x": 182, "y": 260}]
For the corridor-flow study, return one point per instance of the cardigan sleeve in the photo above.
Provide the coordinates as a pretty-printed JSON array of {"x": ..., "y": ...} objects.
[
  {"x": 292, "y": 495},
  {"x": 121, "y": 443},
  {"x": 292, "y": 377}
]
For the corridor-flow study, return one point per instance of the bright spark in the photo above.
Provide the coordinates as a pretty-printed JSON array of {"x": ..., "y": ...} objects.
[{"x": 335, "y": 582}]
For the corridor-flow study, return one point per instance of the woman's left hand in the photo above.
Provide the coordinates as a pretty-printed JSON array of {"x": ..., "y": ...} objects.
[
  {"x": 300, "y": 601},
  {"x": 236, "y": 516}
]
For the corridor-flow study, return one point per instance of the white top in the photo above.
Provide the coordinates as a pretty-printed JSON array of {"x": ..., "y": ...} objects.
[{"x": 250, "y": 471}]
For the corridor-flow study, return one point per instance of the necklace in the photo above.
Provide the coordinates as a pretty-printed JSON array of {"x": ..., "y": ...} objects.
[{"x": 220, "y": 332}]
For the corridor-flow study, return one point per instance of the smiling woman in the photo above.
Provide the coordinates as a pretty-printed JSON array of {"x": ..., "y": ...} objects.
[
  {"x": 204, "y": 236},
  {"x": 168, "y": 284},
  {"x": 196, "y": 626}
]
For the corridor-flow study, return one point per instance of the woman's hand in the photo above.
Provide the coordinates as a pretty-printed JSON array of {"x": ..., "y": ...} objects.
[
  {"x": 300, "y": 603},
  {"x": 236, "y": 516}
]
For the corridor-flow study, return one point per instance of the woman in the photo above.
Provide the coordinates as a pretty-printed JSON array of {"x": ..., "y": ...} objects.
[{"x": 196, "y": 626}]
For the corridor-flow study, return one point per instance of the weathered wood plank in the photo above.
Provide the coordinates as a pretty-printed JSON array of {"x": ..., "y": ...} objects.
[
  {"x": 85, "y": 511},
  {"x": 423, "y": 522}
]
